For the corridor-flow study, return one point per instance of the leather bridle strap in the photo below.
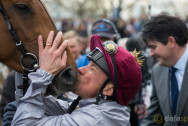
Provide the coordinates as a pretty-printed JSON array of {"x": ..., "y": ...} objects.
[
  {"x": 25, "y": 78},
  {"x": 48, "y": 15},
  {"x": 18, "y": 42},
  {"x": 13, "y": 32}
]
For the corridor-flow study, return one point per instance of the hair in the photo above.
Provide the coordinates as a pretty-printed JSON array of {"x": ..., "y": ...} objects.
[
  {"x": 132, "y": 44},
  {"x": 159, "y": 28},
  {"x": 70, "y": 34}
]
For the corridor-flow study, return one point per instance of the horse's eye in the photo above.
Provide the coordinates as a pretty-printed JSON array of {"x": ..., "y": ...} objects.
[{"x": 22, "y": 7}]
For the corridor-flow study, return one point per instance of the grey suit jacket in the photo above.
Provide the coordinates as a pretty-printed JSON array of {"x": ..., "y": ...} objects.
[{"x": 159, "y": 112}]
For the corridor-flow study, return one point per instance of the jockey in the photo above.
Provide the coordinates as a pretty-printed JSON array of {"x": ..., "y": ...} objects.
[{"x": 106, "y": 86}]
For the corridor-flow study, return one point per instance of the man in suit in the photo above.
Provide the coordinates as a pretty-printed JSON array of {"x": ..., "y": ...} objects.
[{"x": 167, "y": 36}]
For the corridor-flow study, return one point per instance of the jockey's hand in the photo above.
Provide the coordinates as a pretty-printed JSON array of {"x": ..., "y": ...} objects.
[{"x": 52, "y": 57}]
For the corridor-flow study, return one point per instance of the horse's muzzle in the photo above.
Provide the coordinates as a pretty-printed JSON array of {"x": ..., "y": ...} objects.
[{"x": 65, "y": 81}]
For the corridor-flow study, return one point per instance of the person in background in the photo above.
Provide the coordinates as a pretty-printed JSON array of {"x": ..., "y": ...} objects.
[
  {"x": 74, "y": 44},
  {"x": 8, "y": 95},
  {"x": 137, "y": 105},
  {"x": 8, "y": 91},
  {"x": 106, "y": 30},
  {"x": 167, "y": 36},
  {"x": 83, "y": 44},
  {"x": 82, "y": 30}
]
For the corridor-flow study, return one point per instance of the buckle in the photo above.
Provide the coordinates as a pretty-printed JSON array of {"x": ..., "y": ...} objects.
[{"x": 110, "y": 47}]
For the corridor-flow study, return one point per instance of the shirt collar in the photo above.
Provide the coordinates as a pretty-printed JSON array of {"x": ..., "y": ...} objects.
[{"x": 181, "y": 64}]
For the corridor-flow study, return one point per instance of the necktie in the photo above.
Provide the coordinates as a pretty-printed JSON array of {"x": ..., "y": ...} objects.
[{"x": 174, "y": 89}]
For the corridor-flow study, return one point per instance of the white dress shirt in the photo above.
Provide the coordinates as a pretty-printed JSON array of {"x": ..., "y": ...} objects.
[{"x": 180, "y": 65}]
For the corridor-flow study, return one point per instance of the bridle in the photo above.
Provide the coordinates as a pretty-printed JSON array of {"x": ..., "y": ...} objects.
[
  {"x": 20, "y": 46},
  {"x": 18, "y": 41}
]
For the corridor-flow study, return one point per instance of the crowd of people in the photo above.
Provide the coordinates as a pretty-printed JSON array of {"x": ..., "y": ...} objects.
[{"x": 112, "y": 77}]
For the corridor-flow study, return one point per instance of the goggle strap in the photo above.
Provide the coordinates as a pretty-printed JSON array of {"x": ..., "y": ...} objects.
[
  {"x": 100, "y": 94},
  {"x": 115, "y": 75}
]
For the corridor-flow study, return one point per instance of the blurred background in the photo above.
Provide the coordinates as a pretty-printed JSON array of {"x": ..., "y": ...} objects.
[
  {"x": 124, "y": 9},
  {"x": 79, "y": 14}
]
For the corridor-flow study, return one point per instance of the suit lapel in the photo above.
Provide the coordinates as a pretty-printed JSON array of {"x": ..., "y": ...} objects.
[
  {"x": 183, "y": 93},
  {"x": 165, "y": 86}
]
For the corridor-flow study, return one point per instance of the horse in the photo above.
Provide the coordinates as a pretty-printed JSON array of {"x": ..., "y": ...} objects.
[{"x": 21, "y": 22}]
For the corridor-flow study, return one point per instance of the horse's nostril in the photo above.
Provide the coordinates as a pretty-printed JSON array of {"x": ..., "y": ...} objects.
[
  {"x": 67, "y": 76},
  {"x": 65, "y": 80}
]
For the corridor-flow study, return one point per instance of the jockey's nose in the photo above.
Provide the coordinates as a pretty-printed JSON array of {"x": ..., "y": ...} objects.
[{"x": 82, "y": 70}]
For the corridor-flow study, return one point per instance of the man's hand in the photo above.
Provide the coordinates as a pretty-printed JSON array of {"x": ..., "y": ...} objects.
[
  {"x": 52, "y": 57},
  {"x": 140, "y": 110}
]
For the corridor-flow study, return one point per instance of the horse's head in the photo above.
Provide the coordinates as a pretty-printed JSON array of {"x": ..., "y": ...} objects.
[{"x": 29, "y": 18}]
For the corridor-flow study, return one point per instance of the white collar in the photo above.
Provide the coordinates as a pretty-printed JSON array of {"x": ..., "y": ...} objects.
[{"x": 181, "y": 64}]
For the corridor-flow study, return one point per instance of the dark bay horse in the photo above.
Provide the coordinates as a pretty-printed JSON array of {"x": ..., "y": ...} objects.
[{"x": 29, "y": 19}]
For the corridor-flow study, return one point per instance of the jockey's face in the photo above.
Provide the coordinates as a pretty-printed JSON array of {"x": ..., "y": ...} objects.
[{"x": 91, "y": 78}]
